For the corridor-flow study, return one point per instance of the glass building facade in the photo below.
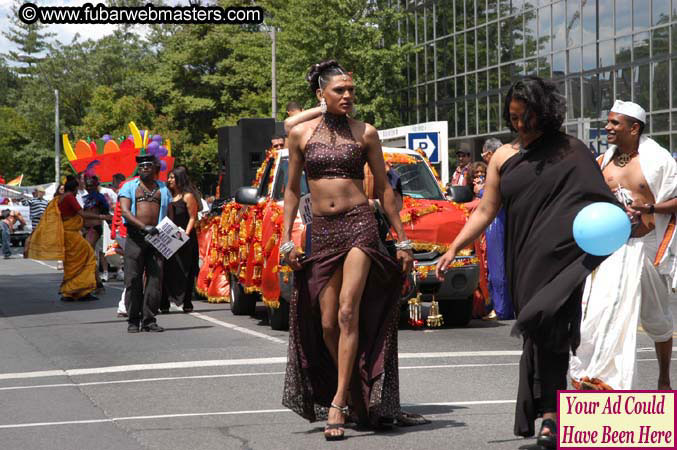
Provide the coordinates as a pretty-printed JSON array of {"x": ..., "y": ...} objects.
[{"x": 468, "y": 52}]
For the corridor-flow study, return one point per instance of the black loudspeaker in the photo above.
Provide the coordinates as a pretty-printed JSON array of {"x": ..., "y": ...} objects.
[
  {"x": 256, "y": 135},
  {"x": 242, "y": 149},
  {"x": 224, "y": 173},
  {"x": 279, "y": 129},
  {"x": 222, "y": 134}
]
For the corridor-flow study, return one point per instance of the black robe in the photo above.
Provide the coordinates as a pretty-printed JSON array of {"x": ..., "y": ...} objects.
[{"x": 542, "y": 189}]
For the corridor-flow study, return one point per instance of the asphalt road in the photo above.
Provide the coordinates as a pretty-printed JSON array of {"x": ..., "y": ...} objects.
[{"x": 72, "y": 378}]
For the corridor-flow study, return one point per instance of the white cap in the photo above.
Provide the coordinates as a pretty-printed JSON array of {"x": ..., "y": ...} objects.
[{"x": 629, "y": 109}]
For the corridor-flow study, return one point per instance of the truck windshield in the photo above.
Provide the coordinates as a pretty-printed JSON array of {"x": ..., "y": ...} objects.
[
  {"x": 418, "y": 181},
  {"x": 281, "y": 180}
]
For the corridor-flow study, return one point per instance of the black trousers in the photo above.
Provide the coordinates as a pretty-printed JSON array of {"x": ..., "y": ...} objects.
[{"x": 140, "y": 258}]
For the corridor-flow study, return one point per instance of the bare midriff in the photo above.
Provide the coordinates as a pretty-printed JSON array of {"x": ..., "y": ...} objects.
[{"x": 336, "y": 195}]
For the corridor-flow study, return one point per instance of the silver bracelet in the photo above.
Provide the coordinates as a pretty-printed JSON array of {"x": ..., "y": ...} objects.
[
  {"x": 286, "y": 248},
  {"x": 404, "y": 245}
]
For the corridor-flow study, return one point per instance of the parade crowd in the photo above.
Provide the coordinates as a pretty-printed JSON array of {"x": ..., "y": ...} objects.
[{"x": 577, "y": 313}]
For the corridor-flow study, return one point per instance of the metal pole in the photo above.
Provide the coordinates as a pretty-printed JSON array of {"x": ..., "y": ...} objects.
[
  {"x": 57, "y": 149},
  {"x": 274, "y": 77}
]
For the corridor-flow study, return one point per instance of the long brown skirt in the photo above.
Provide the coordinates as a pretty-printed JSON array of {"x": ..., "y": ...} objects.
[{"x": 311, "y": 377}]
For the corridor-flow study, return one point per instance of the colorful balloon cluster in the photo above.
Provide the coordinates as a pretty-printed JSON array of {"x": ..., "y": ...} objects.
[{"x": 156, "y": 148}]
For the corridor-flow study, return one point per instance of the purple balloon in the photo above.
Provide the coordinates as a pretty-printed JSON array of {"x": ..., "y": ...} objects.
[
  {"x": 130, "y": 137},
  {"x": 152, "y": 146},
  {"x": 106, "y": 137},
  {"x": 163, "y": 165},
  {"x": 157, "y": 138},
  {"x": 162, "y": 151}
]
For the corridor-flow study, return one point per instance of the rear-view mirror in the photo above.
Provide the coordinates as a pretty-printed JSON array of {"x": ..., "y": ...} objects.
[
  {"x": 246, "y": 196},
  {"x": 460, "y": 194}
]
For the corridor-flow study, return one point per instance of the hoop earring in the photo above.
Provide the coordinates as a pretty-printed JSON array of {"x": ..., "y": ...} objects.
[{"x": 323, "y": 106}]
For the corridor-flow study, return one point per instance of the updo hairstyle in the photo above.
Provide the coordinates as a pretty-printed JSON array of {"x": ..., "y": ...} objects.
[{"x": 320, "y": 74}]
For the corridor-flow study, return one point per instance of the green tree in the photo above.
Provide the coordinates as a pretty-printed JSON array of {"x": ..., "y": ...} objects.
[
  {"x": 13, "y": 137},
  {"x": 108, "y": 115},
  {"x": 30, "y": 41},
  {"x": 207, "y": 76},
  {"x": 359, "y": 34},
  {"x": 10, "y": 85}
]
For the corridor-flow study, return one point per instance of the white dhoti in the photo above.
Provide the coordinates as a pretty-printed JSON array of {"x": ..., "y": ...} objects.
[{"x": 624, "y": 289}]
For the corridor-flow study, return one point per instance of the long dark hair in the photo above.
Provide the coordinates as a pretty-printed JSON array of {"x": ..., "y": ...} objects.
[
  {"x": 183, "y": 183},
  {"x": 542, "y": 100}
]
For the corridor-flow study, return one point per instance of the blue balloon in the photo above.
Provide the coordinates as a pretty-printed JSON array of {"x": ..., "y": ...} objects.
[
  {"x": 601, "y": 228},
  {"x": 163, "y": 165},
  {"x": 157, "y": 138},
  {"x": 106, "y": 137},
  {"x": 130, "y": 137},
  {"x": 162, "y": 151}
]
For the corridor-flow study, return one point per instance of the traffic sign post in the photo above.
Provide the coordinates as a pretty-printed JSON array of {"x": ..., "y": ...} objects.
[
  {"x": 431, "y": 137},
  {"x": 428, "y": 142}
]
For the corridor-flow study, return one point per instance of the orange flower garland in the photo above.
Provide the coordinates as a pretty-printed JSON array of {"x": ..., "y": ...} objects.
[
  {"x": 412, "y": 209},
  {"x": 399, "y": 158}
]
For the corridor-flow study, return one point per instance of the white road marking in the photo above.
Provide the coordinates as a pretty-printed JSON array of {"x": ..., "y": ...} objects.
[
  {"x": 235, "y": 375},
  {"x": 478, "y": 402},
  {"x": 457, "y": 366},
  {"x": 141, "y": 380},
  {"x": 460, "y": 354},
  {"x": 220, "y": 413},
  {"x": 139, "y": 367},
  {"x": 38, "y": 374},
  {"x": 44, "y": 264},
  {"x": 238, "y": 328},
  {"x": 251, "y": 362},
  {"x": 225, "y": 324}
]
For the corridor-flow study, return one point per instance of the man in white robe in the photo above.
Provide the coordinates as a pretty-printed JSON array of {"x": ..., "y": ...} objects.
[{"x": 634, "y": 283}]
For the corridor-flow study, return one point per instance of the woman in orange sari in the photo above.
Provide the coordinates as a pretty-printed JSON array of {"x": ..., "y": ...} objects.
[{"x": 58, "y": 237}]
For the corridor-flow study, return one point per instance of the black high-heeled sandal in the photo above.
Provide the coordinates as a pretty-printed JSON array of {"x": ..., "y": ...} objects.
[
  {"x": 336, "y": 426},
  {"x": 548, "y": 441}
]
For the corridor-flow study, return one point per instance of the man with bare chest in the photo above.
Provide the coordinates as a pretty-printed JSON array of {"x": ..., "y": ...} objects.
[
  {"x": 634, "y": 283},
  {"x": 144, "y": 203}
]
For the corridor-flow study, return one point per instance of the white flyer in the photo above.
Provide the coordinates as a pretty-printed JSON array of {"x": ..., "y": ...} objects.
[
  {"x": 306, "y": 210},
  {"x": 169, "y": 239},
  {"x": 107, "y": 242}
]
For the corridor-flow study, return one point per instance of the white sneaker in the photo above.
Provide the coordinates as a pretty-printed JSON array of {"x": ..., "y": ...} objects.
[
  {"x": 104, "y": 276},
  {"x": 59, "y": 265},
  {"x": 121, "y": 275}
]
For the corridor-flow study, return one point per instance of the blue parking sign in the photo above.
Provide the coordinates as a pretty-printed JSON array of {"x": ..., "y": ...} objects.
[{"x": 428, "y": 142}]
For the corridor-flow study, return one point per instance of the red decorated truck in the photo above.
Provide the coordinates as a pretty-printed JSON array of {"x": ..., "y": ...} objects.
[{"x": 240, "y": 247}]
